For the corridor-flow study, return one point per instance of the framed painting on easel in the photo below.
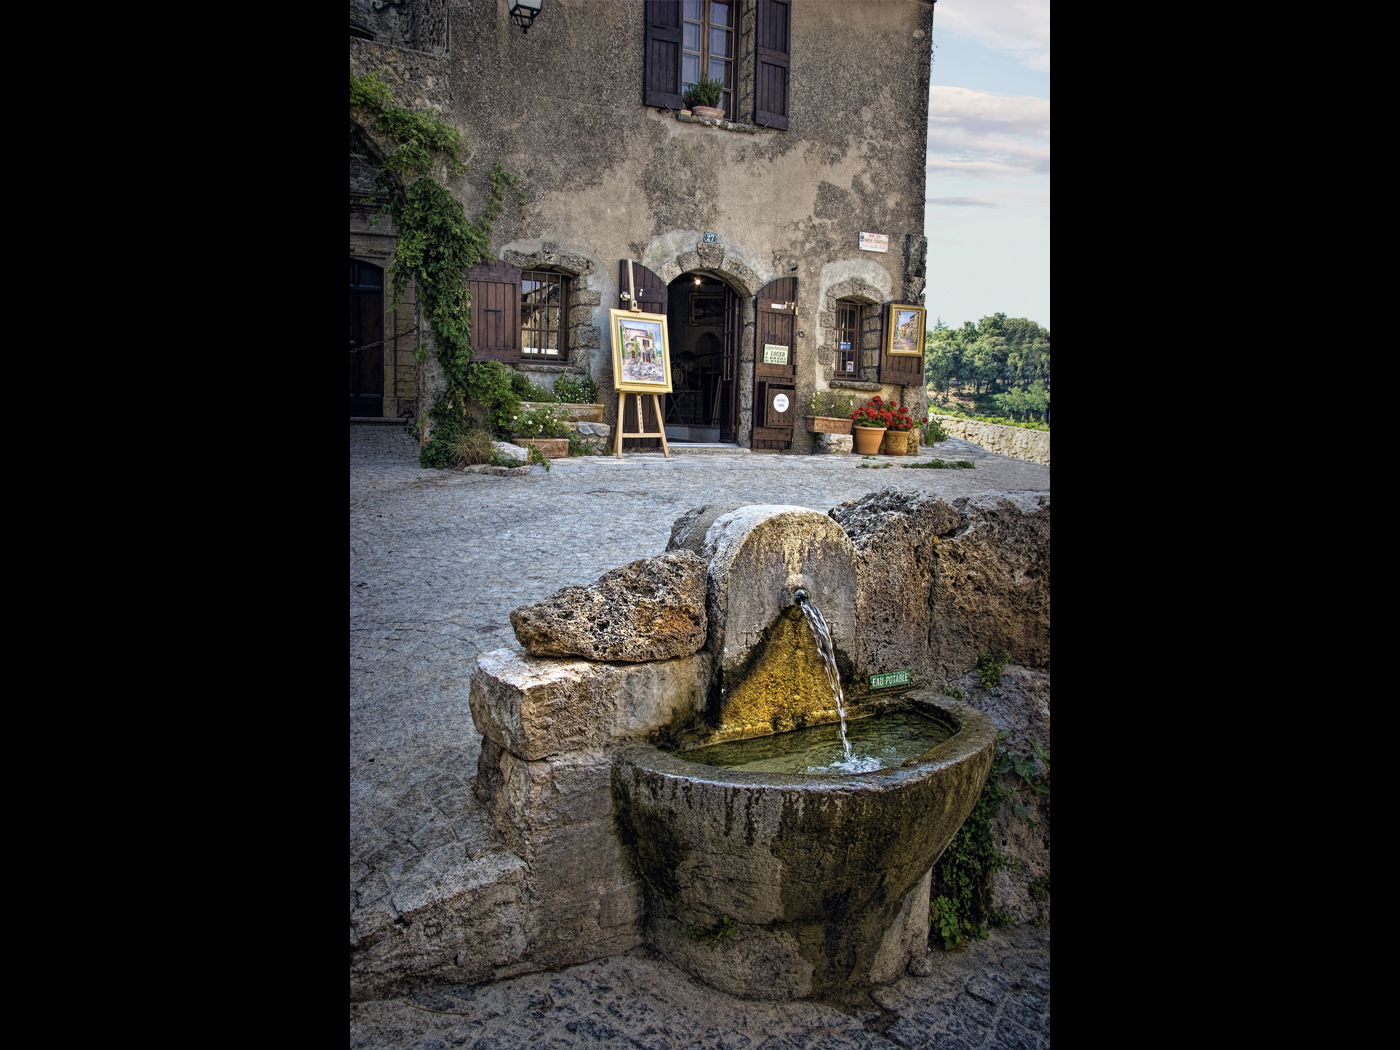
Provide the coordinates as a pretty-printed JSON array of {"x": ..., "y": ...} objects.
[{"x": 641, "y": 350}]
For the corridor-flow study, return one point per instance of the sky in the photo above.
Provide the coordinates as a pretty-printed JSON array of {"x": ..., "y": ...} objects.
[{"x": 987, "y": 212}]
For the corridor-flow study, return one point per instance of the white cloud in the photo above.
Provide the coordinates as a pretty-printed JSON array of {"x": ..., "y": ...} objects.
[
  {"x": 985, "y": 135},
  {"x": 1019, "y": 27},
  {"x": 960, "y": 202}
]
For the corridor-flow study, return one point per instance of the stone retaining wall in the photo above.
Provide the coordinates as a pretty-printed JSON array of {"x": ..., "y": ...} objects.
[{"x": 1031, "y": 445}]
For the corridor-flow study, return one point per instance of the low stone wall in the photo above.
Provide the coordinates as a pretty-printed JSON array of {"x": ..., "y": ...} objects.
[{"x": 1031, "y": 445}]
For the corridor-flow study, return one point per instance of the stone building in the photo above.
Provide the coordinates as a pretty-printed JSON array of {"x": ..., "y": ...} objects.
[{"x": 773, "y": 239}]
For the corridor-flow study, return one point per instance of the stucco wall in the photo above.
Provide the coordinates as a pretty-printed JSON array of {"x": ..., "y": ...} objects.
[
  {"x": 562, "y": 107},
  {"x": 1031, "y": 445}
]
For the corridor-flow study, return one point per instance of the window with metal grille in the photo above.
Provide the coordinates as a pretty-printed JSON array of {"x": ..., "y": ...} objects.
[
  {"x": 707, "y": 46},
  {"x": 847, "y": 339},
  {"x": 543, "y": 309}
]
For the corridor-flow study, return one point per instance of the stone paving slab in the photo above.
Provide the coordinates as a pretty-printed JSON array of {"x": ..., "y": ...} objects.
[
  {"x": 993, "y": 994},
  {"x": 438, "y": 559}
]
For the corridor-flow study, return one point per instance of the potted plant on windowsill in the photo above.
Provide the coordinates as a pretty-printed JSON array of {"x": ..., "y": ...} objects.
[
  {"x": 829, "y": 412},
  {"x": 703, "y": 98}
]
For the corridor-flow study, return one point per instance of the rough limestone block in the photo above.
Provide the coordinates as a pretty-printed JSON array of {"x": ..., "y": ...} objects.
[
  {"x": 505, "y": 448},
  {"x": 558, "y": 813},
  {"x": 595, "y": 429},
  {"x": 651, "y": 609},
  {"x": 834, "y": 444},
  {"x": 759, "y": 556},
  {"x": 536, "y": 707},
  {"x": 940, "y": 583}
]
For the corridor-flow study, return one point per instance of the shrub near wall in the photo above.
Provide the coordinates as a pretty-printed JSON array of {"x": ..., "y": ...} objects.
[{"x": 1031, "y": 445}]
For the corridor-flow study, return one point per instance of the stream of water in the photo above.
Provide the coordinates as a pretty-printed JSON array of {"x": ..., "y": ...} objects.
[{"x": 821, "y": 631}]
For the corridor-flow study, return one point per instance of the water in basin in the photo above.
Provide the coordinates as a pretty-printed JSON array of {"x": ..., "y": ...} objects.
[{"x": 879, "y": 742}]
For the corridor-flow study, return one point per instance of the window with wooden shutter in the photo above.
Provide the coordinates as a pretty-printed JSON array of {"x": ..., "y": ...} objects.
[
  {"x": 661, "y": 84},
  {"x": 495, "y": 292},
  {"x": 707, "y": 47},
  {"x": 544, "y": 309},
  {"x": 771, "y": 68}
]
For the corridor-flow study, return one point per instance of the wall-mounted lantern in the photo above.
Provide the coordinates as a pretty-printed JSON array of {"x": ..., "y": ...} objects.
[{"x": 523, "y": 13}]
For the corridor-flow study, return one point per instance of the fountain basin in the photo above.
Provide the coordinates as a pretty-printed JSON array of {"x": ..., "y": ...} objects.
[{"x": 788, "y": 885}]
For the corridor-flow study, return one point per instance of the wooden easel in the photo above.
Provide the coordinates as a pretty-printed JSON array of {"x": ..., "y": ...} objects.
[
  {"x": 622, "y": 398},
  {"x": 641, "y": 422}
]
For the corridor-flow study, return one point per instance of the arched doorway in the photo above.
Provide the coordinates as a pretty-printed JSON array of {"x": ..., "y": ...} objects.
[{"x": 705, "y": 318}]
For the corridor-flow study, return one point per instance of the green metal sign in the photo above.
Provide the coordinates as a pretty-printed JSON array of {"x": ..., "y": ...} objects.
[{"x": 889, "y": 678}]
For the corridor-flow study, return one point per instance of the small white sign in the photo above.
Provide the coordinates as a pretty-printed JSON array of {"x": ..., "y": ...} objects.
[
  {"x": 780, "y": 402},
  {"x": 780, "y": 306},
  {"x": 874, "y": 242},
  {"x": 774, "y": 355},
  {"x": 850, "y": 366}
]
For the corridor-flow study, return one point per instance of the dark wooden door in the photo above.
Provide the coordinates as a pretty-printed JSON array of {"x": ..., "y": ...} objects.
[
  {"x": 652, "y": 296},
  {"x": 366, "y": 339},
  {"x": 775, "y": 365},
  {"x": 729, "y": 376}
]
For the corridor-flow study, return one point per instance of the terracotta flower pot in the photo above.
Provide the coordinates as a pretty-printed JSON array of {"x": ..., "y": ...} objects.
[
  {"x": 868, "y": 439},
  {"x": 713, "y": 112},
  {"x": 895, "y": 442}
]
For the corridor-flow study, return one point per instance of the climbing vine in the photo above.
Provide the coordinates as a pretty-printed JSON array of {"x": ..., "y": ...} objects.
[{"x": 436, "y": 240}]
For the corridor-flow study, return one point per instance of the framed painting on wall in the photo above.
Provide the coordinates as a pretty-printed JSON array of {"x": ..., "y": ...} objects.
[
  {"x": 707, "y": 308},
  {"x": 641, "y": 352},
  {"x": 906, "y": 334}
]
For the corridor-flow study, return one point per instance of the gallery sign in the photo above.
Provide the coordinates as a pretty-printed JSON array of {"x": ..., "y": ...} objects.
[{"x": 874, "y": 242}]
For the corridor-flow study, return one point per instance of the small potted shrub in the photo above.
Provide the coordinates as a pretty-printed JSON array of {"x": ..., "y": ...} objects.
[
  {"x": 829, "y": 412},
  {"x": 703, "y": 98},
  {"x": 544, "y": 428}
]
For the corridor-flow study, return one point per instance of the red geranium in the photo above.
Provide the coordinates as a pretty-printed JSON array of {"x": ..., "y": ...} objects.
[{"x": 880, "y": 415}]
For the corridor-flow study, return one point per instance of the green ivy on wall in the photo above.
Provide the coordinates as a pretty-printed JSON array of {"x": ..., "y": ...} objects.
[{"x": 436, "y": 240}]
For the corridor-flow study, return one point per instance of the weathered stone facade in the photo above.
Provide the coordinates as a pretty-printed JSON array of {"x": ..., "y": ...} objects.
[{"x": 608, "y": 178}]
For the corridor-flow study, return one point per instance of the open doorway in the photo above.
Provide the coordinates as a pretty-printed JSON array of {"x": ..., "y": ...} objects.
[{"x": 705, "y": 319}]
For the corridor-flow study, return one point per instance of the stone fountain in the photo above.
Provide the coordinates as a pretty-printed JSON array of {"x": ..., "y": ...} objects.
[{"x": 767, "y": 885}]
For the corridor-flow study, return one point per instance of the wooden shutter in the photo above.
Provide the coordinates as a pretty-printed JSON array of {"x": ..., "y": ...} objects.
[
  {"x": 495, "y": 292},
  {"x": 903, "y": 368},
  {"x": 776, "y": 314},
  {"x": 770, "y": 105},
  {"x": 661, "y": 85},
  {"x": 652, "y": 295}
]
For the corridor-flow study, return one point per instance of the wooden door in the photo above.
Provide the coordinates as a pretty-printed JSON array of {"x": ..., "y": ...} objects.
[
  {"x": 366, "y": 339},
  {"x": 652, "y": 296},
  {"x": 775, "y": 365}
]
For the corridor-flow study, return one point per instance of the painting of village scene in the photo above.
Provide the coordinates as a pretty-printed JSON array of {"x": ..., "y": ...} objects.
[
  {"x": 906, "y": 330},
  {"x": 639, "y": 352}
]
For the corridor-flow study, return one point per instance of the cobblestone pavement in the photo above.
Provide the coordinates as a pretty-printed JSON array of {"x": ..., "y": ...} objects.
[
  {"x": 993, "y": 994},
  {"x": 438, "y": 559}
]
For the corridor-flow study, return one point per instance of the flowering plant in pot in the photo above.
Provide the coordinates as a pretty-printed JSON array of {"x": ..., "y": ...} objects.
[{"x": 544, "y": 428}]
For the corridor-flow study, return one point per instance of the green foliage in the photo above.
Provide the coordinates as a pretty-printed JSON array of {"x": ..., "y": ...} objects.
[
  {"x": 934, "y": 432},
  {"x": 705, "y": 92},
  {"x": 1040, "y": 888},
  {"x": 436, "y": 241},
  {"x": 726, "y": 927},
  {"x": 991, "y": 667},
  {"x": 938, "y": 464},
  {"x": 953, "y": 691},
  {"x": 543, "y": 422},
  {"x": 491, "y": 385},
  {"x": 961, "y": 905},
  {"x": 536, "y": 456},
  {"x": 838, "y": 404},
  {"x": 576, "y": 390},
  {"x": 577, "y": 446},
  {"x": 528, "y": 391}
]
